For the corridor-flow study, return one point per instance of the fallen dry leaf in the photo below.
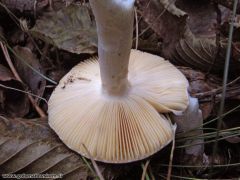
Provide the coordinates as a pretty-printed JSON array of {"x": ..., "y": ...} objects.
[
  {"x": 26, "y": 6},
  {"x": 34, "y": 81},
  {"x": 154, "y": 12},
  {"x": 199, "y": 83},
  {"x": 188, "y": 31},
  {"x": 70, "y": 29},
  {"x": 29, "y": 146}
]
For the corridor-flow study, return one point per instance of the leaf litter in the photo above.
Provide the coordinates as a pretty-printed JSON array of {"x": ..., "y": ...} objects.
[
  {"x": 64, "y": 33},
  {"x": 13, "y": 103}
]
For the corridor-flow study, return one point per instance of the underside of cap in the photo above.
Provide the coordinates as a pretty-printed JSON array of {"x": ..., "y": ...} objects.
[
  {"x": 158, "y": 81},
  {"x": 118, "y": 129}
]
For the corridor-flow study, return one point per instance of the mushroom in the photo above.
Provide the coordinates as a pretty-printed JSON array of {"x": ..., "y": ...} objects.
[{"x": 101, "y": 109}]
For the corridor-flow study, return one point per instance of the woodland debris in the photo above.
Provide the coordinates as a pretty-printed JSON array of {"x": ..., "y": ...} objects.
[{"x": 12, "y": 103}]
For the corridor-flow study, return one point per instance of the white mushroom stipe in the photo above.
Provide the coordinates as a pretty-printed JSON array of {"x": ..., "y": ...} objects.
[
  {"x": 124, "y": 128},
  {"x": 127, "y": 4}
]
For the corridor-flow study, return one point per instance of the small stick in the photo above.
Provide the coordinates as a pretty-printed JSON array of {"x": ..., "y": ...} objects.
[
  {"x": 225, "y": 78},
  {"x": 171, "y": 156},
  {"x": 94, "y": 163},
  {"x": 145, "y": 170},
  {"x": 8, "y": 59},
  {"x": 136, "y": 19},
  {"x": 5, "y": 52},
  {"x": 217, "y": 90},
  {"x": 26, "y": 92}
]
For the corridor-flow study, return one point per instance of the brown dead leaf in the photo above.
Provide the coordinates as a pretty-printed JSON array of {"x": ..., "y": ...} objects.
[
  {"x": 202, "y": 17},
  {"x": 29, "y": 146},
  {"x": 200, "y": 84},
  {"x": 5, "y": 74},
  {"x": 165, "y": 19},
  {"x": 35, "y": 82},
  {"x": 26, "y": 6},
  {"x": 188, "y": 31},
  {"x": 70, "y": 29},
  {"x": 236, "y": 51},
  {"x": 13, "y": 103}
]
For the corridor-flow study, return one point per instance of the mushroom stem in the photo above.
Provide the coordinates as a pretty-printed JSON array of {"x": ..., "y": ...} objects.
[{"x": 114, "y": 19}]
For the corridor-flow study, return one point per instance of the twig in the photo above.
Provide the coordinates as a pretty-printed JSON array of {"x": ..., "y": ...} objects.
[
  {"x": 5, "y": 52},
  {"x": 151, "y": 173},
  {"x": 29, "y": 66},
  {"x": 171, "y": 155},
  {"x": 26, "y": 92},
  {"x": 136, "y": 21},
  {"x": 94, "y": 163},
  {"x": 89, "y": 165},
  {"x": 226, "y": 68},
  {"x": 145, "y": 169},
  {"x": 141, "y": 15},
  {"x": 24, "y": 28},
  {"x": 8, "y": 59},
  {"x": 232, "y": 91},
  {"x": 157, "y": 18},
  {"x": 200, "y": 166},
  {"x": 214, "y": 91}
]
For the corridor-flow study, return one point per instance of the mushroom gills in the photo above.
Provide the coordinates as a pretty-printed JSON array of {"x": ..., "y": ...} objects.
[{"x": 124, "y": 128}]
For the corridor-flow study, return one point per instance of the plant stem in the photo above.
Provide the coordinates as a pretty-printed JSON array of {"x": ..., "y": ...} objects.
[
  {"x": 225, "y": 77},
  {"x": 114, "y": 19},
  {"x": 16, "y": 75}
]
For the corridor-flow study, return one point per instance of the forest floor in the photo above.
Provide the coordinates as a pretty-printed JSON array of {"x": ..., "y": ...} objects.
[{"x": 40, "y": 41}]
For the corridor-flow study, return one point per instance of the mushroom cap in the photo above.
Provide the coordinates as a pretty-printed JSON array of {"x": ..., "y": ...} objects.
[{"x": 118, "y": 129}]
